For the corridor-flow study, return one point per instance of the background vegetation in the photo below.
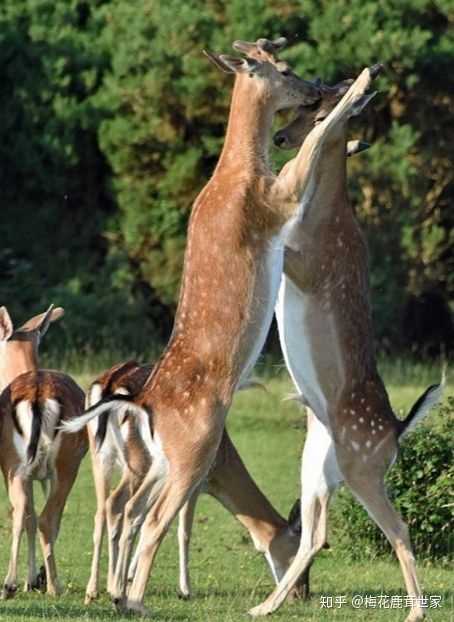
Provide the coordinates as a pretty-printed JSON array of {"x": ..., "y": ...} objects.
[{"x": 112, "y": 121}]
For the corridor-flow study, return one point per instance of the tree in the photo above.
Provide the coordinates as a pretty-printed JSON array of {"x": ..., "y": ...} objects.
[{"x": 113, "y": 121}]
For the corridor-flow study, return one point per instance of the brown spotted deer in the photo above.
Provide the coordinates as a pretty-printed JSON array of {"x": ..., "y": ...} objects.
[
  {"x": 228, "y": 481},
  {"x": 325, "y": 328},
  {"x": 232, "y": 271},
  {"x": 33, "y": 403},
  {"x": 107, "y": 451}
]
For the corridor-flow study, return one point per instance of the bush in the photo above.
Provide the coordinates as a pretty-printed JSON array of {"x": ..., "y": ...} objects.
[{"x": 421, "y": 486}]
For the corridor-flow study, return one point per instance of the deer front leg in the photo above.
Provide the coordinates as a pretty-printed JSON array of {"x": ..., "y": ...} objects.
[
  {"x": 296, "y": 182},
  {"x": 17, "y": 491},
  {"x": 308, "y": 548},
  {"x": 320, "y": 476}
]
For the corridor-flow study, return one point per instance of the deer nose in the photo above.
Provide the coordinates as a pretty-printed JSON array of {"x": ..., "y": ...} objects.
[{"x": 280, "y": 140}]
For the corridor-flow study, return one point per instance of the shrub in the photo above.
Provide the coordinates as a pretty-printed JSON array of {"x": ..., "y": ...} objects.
[{"x": 421, "y": 486}]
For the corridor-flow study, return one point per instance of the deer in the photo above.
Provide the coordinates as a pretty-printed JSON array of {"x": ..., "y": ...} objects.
[
  {"x": 231, "y": 275},
  {"x": 325, "y": 328},
  {"x": 33, "y": 403},
  {"x": 227, "y": 481},
  {"x": 126, "y": 378}
]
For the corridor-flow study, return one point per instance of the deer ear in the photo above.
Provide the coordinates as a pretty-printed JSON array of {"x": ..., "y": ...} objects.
[
  {"x": 42, "y": 321},
  {"x": 359, "y": 106},
  {"x": 51, "y": 315},
  {"x": 343, "y": 86},
  {"x": 294, "y": 518},
  {"x": 356, "y": 146},
  {"x": 232, "y": 64},
  {"x": 240, "y": 65},
  {"x": 279, "y": 43},
  {"x": 217, "y": 61},
  {"x": 6, "y": 325}
]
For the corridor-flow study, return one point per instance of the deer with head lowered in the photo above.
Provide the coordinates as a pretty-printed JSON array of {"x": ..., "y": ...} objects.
[
  {"x": 228, "y": 481},
  {"x": 325, "y": 329},
  {"x": 231, "y": 275},
  {"x": 33, "y": 403}
]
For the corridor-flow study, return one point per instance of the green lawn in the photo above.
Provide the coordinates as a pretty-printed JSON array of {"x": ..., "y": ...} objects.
[{"x": 228, "y": 575}]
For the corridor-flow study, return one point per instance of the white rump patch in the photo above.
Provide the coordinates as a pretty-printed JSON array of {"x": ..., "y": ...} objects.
[
  {"x": 121, "y": 391},
  {"x": 48, "y": 443},
  {"x": 24, "y": 417},
  {"x": 94, "y": 395}
]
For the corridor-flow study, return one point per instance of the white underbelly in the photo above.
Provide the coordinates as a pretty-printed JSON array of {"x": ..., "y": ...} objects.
[
  {"x": 268, "y": 285},
  {"x": 291, "y": 311}
]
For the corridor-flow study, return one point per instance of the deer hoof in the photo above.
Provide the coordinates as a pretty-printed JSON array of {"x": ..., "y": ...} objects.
[
  {"x": 9, "y": 591},
  {"x": 260, "y": 610},
  {"x": 90, "y": 597},
  {"x": 415, "y": 615},
  {"x": 136, "y": 608},
  {"x": 39, "y": 583},
  {"x": 184, "y": 595}
]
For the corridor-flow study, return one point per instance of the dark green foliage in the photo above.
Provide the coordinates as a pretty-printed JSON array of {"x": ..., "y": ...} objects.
[
  {"x": 112, "y": 121},
  {"x": 421, "y": 485}
]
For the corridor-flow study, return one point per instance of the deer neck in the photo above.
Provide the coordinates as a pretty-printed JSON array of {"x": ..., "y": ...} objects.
[
  {"x": 17, "y": 358},
  {"x": 246, "y": 143}
]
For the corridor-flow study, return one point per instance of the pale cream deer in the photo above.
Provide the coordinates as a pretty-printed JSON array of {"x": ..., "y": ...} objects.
[
  {"x": 325, "y": 328},
  {"x": 232, "y": 270},
  {"x": 33, "y": 403}
]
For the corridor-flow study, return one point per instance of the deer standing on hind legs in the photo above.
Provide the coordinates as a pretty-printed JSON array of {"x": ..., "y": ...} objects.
[
  {"x": 232, "y": 270},
  {"x": 228, "y": 481},
  {"x": 32, "y": 404},
  {"x": 326, "y": 333}
]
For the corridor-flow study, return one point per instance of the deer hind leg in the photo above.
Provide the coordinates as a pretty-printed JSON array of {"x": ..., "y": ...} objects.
[
  {"x": 371, "y": 492},
  {"x": 185, "y": 522},
  {"x": 171, "y": 498},
  {"x": 135, "y": 558},
  {"x": 102, "y": 480},
  {"x": 184, "y": 474},
  {"x": 115, "y": 506},
  {"x": 134, "y": 511},
  {"x": 18, "y": 496},
  {"x": 33, "y": 581},
  {"x": 63, "y": 479}
]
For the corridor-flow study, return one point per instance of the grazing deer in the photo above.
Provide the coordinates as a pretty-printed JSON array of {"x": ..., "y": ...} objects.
[
  {"x": 325, "y": 328},
  {"x": 33, "y": 403},
  {"x": 232, "y": 271},
  {"x": 228, "y": 481}
]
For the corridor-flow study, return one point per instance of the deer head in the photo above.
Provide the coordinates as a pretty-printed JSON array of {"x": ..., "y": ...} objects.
[
  {"x": 294, "y": 134},
  {"x": 275, "y": 82},
  {"x": 19, "y": 348}
]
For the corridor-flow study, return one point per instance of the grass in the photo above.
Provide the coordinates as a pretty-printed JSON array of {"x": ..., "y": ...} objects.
[{"x": 228, "y": 575}]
